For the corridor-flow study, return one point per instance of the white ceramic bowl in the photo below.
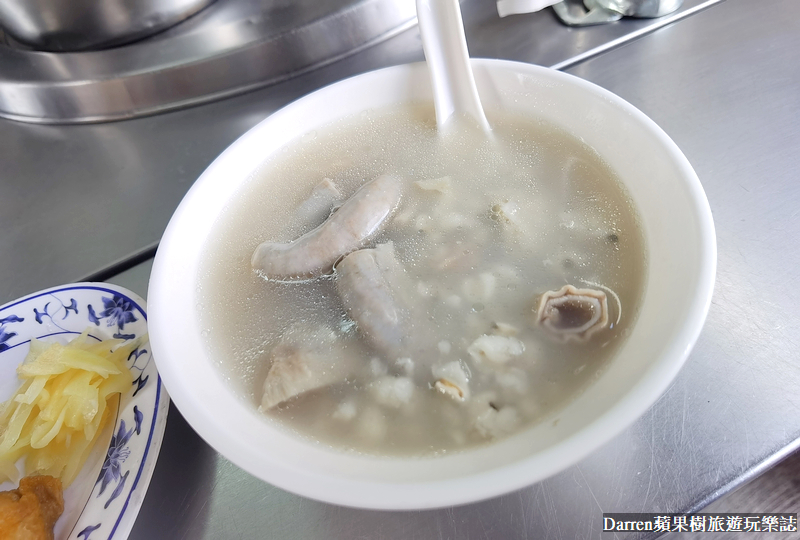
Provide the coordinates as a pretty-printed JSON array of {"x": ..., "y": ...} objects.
[{"x": 678, "y": 229}]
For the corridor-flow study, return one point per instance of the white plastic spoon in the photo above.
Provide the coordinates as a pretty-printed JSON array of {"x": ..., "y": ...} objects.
[{"x": 445, "y": 47}]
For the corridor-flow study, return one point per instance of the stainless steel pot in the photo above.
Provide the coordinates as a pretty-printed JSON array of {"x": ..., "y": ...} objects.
[{"x": 74, "y": 25}]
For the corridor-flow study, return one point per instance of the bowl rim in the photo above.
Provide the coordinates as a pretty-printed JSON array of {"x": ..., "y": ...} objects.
[{"x": 509, "y": 477}]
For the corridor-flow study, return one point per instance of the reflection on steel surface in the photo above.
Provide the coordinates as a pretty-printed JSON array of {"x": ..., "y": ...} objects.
[
  {"x": 586, "y": 13},
  {"x": 229, "y": 48},
  {"x": 73, "y": 25}
]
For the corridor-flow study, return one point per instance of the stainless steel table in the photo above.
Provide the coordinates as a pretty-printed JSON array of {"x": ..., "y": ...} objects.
[
  {"x": 78, "y": 199},
  {"x": 724, "y": 82}
]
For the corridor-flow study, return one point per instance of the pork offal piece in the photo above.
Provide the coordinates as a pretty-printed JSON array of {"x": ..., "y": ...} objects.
[
  {"x": 349, "y": 228},
  {"x": 319, "y": 204},
  {"x": 305, "y": 360},
  {"x": 366, "y": 283},
  {"x": 572, "y": 314}
]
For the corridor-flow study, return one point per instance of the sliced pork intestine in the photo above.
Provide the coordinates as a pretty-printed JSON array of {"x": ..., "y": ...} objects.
[
  {"x": 571, "y": 314},
  {"x": 366, "y": 283},
  {"x": 319, "y": 205},
  {"x": 359, "y": 219},
  {"x": 384, "y": 303}
]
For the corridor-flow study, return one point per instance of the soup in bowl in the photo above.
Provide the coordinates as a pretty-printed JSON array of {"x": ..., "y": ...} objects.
[{"x": 358, "y": 309}]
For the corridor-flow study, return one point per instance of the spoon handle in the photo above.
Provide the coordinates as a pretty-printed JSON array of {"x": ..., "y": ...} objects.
[{"x": 445, "y": 47}]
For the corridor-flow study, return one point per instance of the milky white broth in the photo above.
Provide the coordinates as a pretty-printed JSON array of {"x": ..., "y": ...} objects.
[{"x": 527, "y": 211}]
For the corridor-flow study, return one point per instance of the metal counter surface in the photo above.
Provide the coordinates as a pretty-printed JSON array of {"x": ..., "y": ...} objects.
[
  {"x": 76, "y": 199},
  {"x": 725, "y": 85}
]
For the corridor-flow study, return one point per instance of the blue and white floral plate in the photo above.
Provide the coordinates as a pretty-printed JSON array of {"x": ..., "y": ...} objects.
[{"x": 102, "y": 502}]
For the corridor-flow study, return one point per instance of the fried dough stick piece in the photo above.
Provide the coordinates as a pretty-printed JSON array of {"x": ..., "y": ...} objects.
[
  {"x": 31, "y": 512},
  {"x": 313, "y": 254}
]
